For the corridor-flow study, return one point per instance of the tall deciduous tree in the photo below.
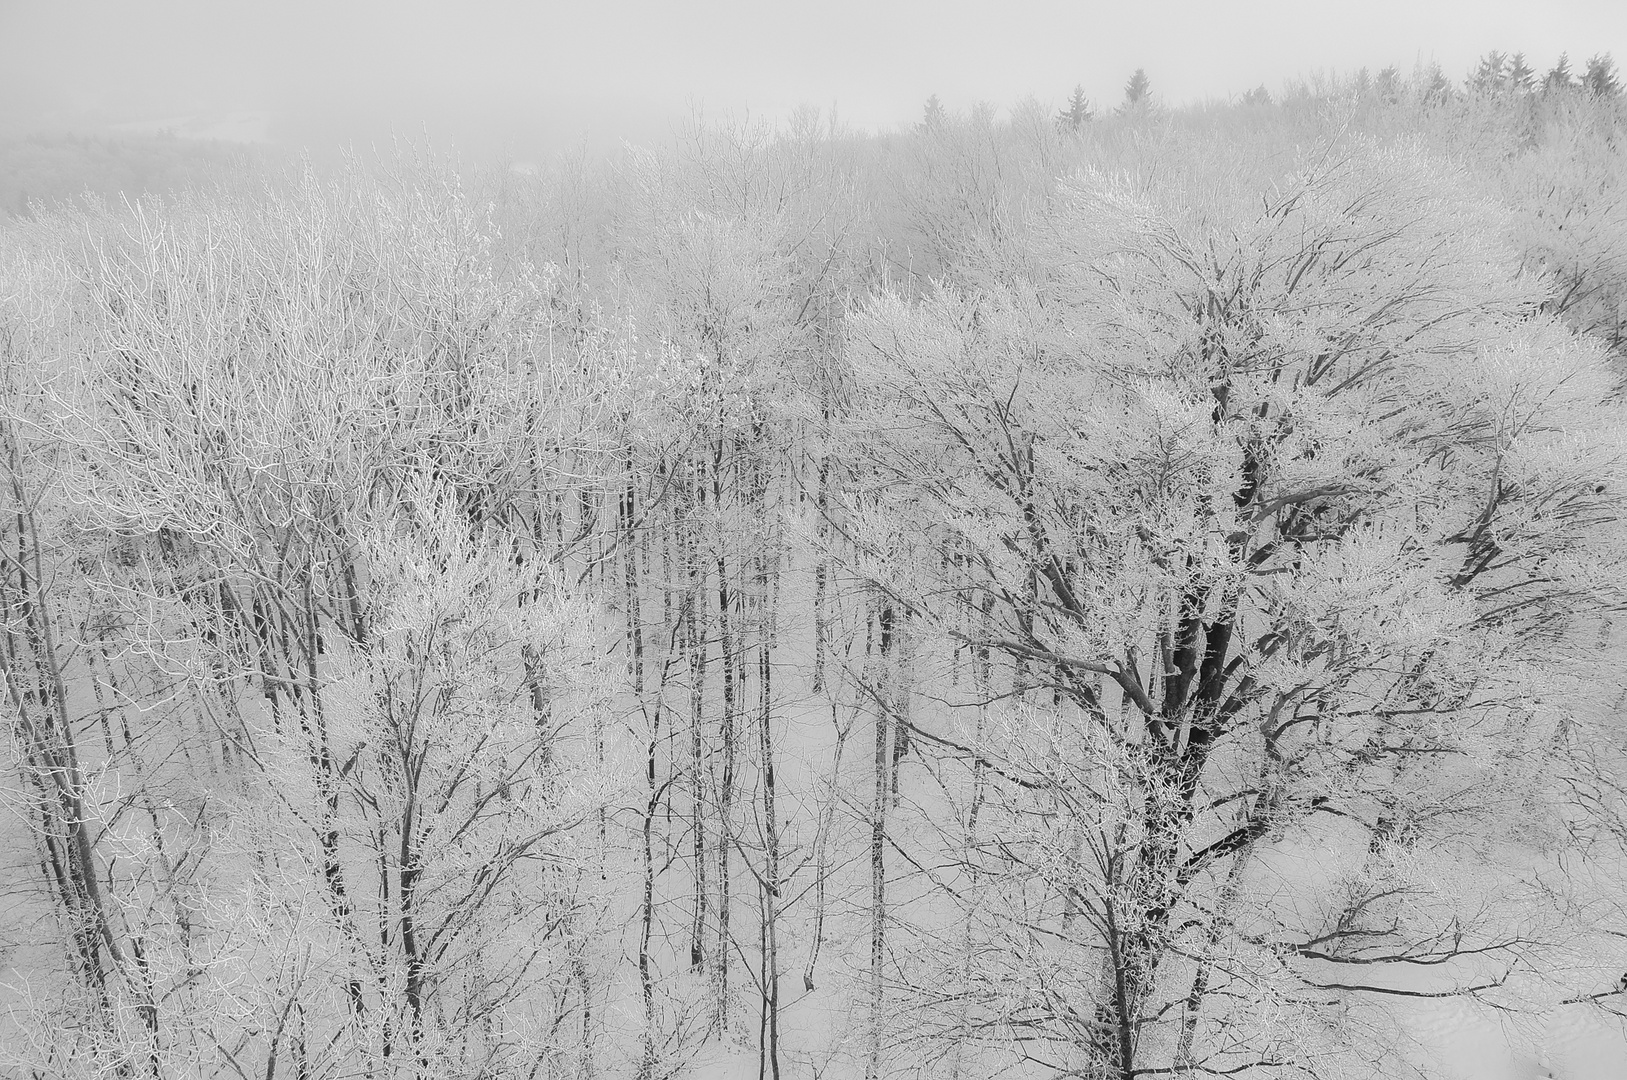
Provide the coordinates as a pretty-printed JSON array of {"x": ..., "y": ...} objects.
[{"x": 1265, "y": 510}]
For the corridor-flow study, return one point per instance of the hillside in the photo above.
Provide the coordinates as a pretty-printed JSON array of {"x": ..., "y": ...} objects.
[{"x": 1109, "y": 593}]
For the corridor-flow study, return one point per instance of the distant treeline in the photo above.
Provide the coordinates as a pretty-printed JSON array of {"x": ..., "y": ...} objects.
[{"x": 51, "y": 168}]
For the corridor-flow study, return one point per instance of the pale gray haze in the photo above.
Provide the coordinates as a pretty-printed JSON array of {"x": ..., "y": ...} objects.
[{"x": 525, "y": 78}]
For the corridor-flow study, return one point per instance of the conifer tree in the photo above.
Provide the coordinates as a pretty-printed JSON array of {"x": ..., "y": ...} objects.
[
  {"x": 1436, "y": 87},
  {"x": 1491, "y": 75},
  {"x": 1138, "y": 91},
  {"x": 934, "y": 117},
  {"x": 1600, "y": 78},
  {"x": 1388, "y": 83},
  {"x": 1559, "y": 76},
  {"x": 1078, "y": 112},
  {"x": 1520, "y": 75}
]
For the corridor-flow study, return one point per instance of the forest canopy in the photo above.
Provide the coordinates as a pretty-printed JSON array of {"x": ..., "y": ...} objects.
[{"x": 1088, "y": 592}]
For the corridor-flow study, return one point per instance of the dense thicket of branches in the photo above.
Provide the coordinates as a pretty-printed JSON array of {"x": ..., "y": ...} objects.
[{"x": 1116, "y": 598}]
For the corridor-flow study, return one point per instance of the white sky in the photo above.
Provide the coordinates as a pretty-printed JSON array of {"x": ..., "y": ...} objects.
[{"x": 544, "y": 73}]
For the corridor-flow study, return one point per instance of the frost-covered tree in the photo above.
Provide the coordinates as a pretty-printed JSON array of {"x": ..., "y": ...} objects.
[
  {"x": 259, "y": 389},
  {"x": 1275, "y": 514},
  {"x": 460, "y": 722},
  {"x": 1570, "y": 216}
]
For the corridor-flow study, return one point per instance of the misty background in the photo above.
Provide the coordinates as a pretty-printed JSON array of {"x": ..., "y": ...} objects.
[{"x": 148, "y": 96}]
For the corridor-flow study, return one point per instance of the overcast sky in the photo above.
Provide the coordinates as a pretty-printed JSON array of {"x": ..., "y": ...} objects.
[{"x": 543, "y": 74}]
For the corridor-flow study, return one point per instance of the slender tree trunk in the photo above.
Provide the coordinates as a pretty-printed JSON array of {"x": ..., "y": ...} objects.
[
  {"x": 902, "y": 671},
  {"x": 827, "y": 814},
  {"x": 630, "y": 592},
  {"x": 878, "y": 862},
  {"x": 646, "y": 976},
  {"x": 769, "y": 1035},
  {"x": 698, "y": 649},
  {"x": 411, "y": 954},
  {"x": 728, "y": 648},
  {"x": 821, "y": 571},
  {"x": 584, "y": 986},
  {"x": 1192, "y": 1008}
]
